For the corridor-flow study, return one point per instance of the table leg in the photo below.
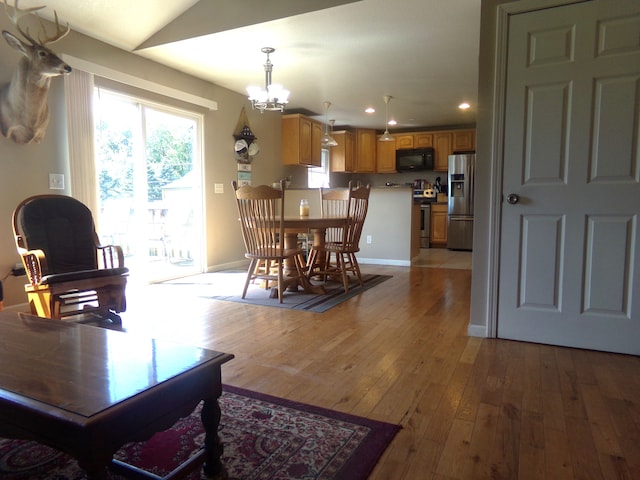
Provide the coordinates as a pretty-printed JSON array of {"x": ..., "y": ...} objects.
[
  {"x": 291, "y": 241},
  {"x": 210, "y": 416},
  {"x": 318, "y": 242}
]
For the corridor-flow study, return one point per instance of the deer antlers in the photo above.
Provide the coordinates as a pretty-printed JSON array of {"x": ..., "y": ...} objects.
[{"x": 19, "y": 13}]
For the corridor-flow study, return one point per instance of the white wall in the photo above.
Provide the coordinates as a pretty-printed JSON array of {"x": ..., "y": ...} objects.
[{"x": 388, "y": 223}]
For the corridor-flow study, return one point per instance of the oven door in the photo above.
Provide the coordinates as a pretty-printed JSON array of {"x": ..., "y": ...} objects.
[{"x": 425, "y": 224}]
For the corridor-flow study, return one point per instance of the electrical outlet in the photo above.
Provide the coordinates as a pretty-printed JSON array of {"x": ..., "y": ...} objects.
[
  {"x": 56, "y": 181},
  {"x": 18, "y": 270},
  {"x": 369, "y": 239}
]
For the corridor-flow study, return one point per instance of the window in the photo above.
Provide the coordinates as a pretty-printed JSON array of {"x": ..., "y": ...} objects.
[
  {"x": 148, "y": 165},
  {"x": 318, "y": 177}
]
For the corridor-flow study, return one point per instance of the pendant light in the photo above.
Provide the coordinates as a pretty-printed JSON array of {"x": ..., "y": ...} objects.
[
  {"x": 274, "y": 97},
  {"x": 386, "y": 136},
  {"x": 327, "y": 139}
]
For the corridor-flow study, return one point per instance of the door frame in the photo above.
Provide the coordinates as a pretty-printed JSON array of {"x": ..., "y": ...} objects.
[{"x": 496, "y": 152}]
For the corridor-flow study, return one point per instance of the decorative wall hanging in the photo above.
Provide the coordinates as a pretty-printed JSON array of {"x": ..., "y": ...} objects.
[
  {"x": 24, "y": 113},
  {"x": 245, "y": 148}
]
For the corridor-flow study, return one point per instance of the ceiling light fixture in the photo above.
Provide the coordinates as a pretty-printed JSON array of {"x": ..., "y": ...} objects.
[
  {"x": 464, "y": 106},
  {"x": 327, "y": 139},
  {"x": 386, "y": 136},
  {"x": 274, "y": 97}
]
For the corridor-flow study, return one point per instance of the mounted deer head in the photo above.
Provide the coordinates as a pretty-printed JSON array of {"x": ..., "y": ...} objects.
[{"x": 24, "y": 113}]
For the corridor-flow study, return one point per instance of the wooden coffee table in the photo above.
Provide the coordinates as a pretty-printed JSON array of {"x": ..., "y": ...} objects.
[{"x": 87, "y": 391}]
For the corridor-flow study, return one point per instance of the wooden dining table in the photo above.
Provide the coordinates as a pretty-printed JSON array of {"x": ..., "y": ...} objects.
[{"x": 304, "y": 224}]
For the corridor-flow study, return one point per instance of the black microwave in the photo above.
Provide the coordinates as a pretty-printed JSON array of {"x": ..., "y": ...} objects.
[{"x": 414, "y": 159}]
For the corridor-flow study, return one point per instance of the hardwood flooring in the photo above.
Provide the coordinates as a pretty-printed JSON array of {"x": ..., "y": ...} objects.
[{"x": 470, "y": 408}]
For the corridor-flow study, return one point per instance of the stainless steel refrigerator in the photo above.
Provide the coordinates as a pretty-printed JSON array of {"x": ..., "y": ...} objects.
[{"x": 461, "y": 190}]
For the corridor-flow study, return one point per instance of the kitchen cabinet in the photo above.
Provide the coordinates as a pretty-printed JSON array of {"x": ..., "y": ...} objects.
[
  {"x": 442, "y": 144},
  {"x": 414, "y": 140},
  {"x": 423, "y": 140},
  {"x": 386, "y": 156},
  {"x": 464, "y": 140},
  {"x": 301, "y": 140},
  {"x": 439, "y": 225},
  {"x": 447, "y": 142},
  {"x": 342, "y": 155},
  {"x": 404, "y": 141},
  {"x": 366, "y": 141},
  {"x": 361, "y": 152}
]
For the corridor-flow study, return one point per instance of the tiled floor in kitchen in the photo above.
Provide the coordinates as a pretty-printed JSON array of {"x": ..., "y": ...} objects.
[{"x": 442, "y": 258}]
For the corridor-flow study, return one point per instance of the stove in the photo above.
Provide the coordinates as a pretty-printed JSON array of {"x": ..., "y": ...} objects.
[{"x": 427, "y": 195}]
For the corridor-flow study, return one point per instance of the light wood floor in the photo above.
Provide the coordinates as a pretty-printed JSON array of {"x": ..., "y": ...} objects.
[{"x": 470, "y": 408}]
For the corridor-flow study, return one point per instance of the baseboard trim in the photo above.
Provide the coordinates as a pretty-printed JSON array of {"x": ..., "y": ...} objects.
[
  {"x": 384, "y": 261},
  {"x": 239, "y": 264},
  {"x": 477, "y": 331},
  {"x": 18, "y": 307}
]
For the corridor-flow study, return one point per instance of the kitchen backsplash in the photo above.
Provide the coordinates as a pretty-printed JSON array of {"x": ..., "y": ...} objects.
[{"x": 382, "y": 179}]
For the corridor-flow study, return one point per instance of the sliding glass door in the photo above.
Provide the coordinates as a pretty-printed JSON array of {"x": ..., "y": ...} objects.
[{"x": 148, "y": 163}]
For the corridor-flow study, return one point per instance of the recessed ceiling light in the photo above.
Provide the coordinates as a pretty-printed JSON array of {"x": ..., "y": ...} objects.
[
  {"x": 464, "y": 106},
  {"x": 392, "y": 122},
  {"x": 370, "y": 110}
]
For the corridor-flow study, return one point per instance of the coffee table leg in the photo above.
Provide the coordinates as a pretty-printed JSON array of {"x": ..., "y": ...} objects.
[{"x": 210, "y": 416}]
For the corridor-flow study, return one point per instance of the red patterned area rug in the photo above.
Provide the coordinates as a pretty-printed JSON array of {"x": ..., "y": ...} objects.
[{"x": 264, "y": 438}]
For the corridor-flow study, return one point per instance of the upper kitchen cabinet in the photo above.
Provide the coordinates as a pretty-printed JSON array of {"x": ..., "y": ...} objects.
[
  {"x": 447, "y": 142},
  {"x": 301, "y": 140},
  {"x": 366, "y": 141},
  {"x": 404, "y": 141},
  {"x": 414, "y": 140},
  {"x": 442, "y": 143},
  {"x": 423, "y": 140},
  {"x": 342, "y": 155},
  {"x": 464, "y": 140},
  {"x": 386, "y": 156}
]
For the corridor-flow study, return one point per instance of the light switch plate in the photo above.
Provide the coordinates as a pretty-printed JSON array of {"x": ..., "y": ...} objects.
[{"x": 56, "y": 181}]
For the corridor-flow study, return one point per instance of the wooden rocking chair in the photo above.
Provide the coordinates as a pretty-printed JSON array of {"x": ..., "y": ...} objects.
[{"x": 69, "y": 272}]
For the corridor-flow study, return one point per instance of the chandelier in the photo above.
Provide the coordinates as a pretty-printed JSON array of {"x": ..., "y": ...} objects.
[
  {"x": 274, "y": 97},
  {"x": 386, "y": 136}
]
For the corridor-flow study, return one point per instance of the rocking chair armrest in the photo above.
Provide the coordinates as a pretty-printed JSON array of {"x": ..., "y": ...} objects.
[
  {"x": 35, "y": 263},
  {"x": 110, "y": 256}
]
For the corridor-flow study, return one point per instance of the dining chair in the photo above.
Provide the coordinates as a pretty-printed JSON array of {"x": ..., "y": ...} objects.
[
  {"x": 71, "y": 275},
  {"x": 261, "y": 211},
  {"x": 333, "y": 203},
  {"x": 341, "y": 244}
]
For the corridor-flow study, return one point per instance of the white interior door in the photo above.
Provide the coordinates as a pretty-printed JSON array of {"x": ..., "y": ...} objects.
[{"x": 569, "y": 255}]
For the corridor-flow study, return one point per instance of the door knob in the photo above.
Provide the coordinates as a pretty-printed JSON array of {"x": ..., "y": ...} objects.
[{"x": 512, "y": 198}]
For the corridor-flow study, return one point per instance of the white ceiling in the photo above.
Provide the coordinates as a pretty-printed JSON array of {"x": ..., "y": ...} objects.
[{"x": 424, "y": 53}]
